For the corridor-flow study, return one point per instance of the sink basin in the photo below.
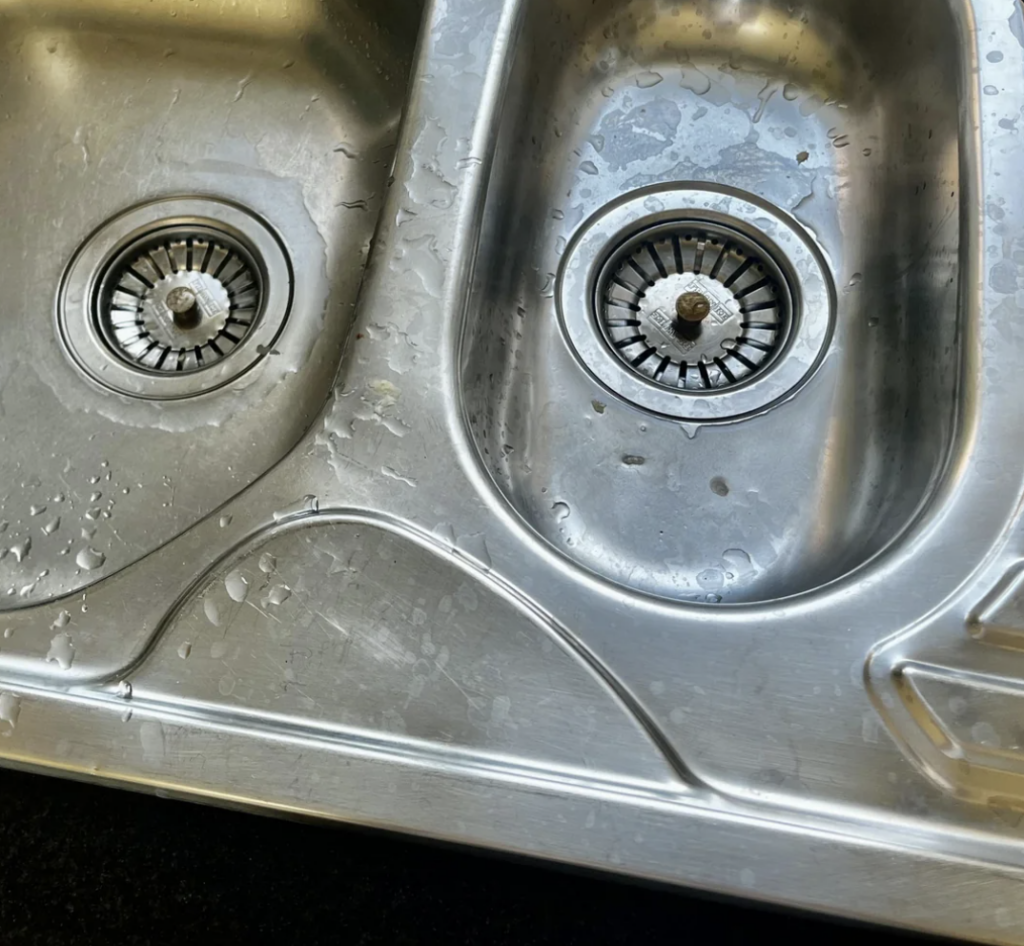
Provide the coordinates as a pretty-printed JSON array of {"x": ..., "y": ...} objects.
[
  {"x": 288, "y": 113},
  {"x": 843, "y": 118},
  {"x": 586, "y": 430}
]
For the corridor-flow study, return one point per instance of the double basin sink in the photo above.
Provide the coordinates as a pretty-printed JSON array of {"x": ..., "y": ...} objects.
[{"x": 580, "y": 429}]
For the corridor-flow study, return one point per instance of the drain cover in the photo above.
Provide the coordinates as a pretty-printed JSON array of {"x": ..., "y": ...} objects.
[
  {"x": 699, "y": 307},
  {"x": 175, "y": 298},
  {"x": 179, "y": 299},
  {"x": 696, "y": 301}
]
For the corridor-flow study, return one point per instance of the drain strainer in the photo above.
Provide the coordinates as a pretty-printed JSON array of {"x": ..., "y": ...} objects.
[
  {"x": 696, "y": 302},
  {"x": 175, "y": 298}
]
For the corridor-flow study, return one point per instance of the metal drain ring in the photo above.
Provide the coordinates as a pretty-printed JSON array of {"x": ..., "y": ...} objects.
[
  {"x": 174, "y": 298},
  {"x": 743, "y": 323},
  {"x": 764, "y": 330}
]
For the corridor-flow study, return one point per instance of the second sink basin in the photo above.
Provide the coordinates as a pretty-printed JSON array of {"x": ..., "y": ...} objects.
[{"x": 838, "y": 125}]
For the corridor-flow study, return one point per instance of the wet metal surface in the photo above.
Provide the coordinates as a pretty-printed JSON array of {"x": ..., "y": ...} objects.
[{"x": 506, "y": 587}]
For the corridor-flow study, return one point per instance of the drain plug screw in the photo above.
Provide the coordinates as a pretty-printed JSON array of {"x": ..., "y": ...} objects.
[
  {"x": 691, "y": 309},
  {"x": 182, "y": 303}
]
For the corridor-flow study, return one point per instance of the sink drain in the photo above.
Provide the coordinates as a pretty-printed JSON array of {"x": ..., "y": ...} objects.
[
  {"x": 700, "y": 307},
  {"x": 175, "y": 298},
  {"x": 696, "y": 302}
]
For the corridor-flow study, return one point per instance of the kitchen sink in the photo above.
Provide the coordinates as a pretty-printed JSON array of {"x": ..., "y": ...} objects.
[{"x": 585, "y": 430}]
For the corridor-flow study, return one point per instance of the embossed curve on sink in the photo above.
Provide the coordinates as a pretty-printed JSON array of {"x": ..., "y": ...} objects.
[
  {"x": 841, "y": 119},
  {"x": 110, "y": 106}
]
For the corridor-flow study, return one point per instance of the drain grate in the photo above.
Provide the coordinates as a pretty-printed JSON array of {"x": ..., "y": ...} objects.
[
  {"x": 696, "y": 301},
  {"x": 180, "y": 299},
  {"x": 694, "y": 306},
  {"x": 175, "y": 298}
]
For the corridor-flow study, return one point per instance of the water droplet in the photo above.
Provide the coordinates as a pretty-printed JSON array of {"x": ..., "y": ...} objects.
[
  {"x": 36, "y": 510},
  {"x": 445, "y": 533},
  {"x": 279, "y": 594},
  {"x": 695, "y": 80},
  {"x": 561, "y": 511},
  {"x": 21, "y": 549},
  {"x": 243, "y": 84},
  {"x": 764, "y": 97},
  {"x": 719, "y": 486},
  {"x": 96, "y": 497},
  {"x": 690, "y": 430},
  {"x": 630, "y": 459},
  {"x": 474, "y": 546},
  {"x": 308, "y": 504},
  {"x": 8, "y": 633},
  {"x": 855, "y": 280},
  {"x": 588, "y": 167},
  {"x": 52, "y": 526},
  {"x": 224, "y": 521},
  {"x": 10, "y": 708},
  {"x": 62, "y": 651},
  {"x": 184, "y": 649},
  {"x": 790, "y": 92},
  {"x": 648, "y": 80},
  {"x": 62, "y": 620},
  {"x": 598, "y": 407},
  {"x": 991, "y": 90},
  {"x": 267, "y": 563},
  {"x": 89, "y": 558},
  {"x": 236, "y": 585},
  {"x": 995, "y": 56},
  {"x": 801, "y": 157},
  {"x": 124, "y": 690},
  {"x": 211, "y": 611},
  {"x": 711, "y": 579}
]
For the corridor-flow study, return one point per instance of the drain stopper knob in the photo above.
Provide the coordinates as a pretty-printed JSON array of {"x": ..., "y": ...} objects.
[
  {"x": 182, "y": 303},
  {"x": 692, "y": 308}
]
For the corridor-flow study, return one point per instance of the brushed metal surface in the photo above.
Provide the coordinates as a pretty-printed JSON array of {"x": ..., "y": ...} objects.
[{"x": 478, "y": 596}]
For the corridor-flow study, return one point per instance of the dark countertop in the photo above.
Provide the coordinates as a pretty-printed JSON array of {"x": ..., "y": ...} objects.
[{"x": 81, "y": 863}]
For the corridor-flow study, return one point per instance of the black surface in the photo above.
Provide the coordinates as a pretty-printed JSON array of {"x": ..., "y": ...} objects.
[{"x": 82, "y": 864}]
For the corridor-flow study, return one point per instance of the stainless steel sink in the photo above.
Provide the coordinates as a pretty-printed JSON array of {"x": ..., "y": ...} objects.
[{"x": 646, "y": 498}]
